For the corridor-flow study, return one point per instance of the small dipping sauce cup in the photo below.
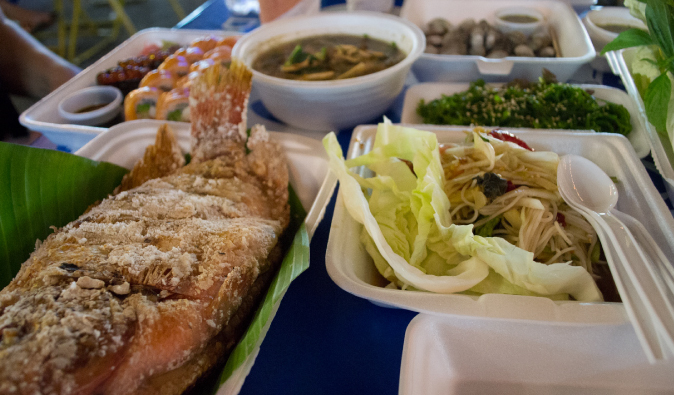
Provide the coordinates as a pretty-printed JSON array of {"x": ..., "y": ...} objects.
[{"x": 91, "y": 106}]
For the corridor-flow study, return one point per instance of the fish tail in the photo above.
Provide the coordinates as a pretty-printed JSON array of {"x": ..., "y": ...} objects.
[{"x": 218, "y": 103}]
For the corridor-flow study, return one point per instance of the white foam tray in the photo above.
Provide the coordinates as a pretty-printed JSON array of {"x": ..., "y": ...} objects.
[
  {"x": 432, "y": 91},
  {"x": 452, "y": 356},
  {"x": 573, "y": 40},
  {"x": 621, "y": 64},
  {"x": 352, "y": 269},
  {"x": 43, "y": 116},
  {"x": 125, "y": 143}
]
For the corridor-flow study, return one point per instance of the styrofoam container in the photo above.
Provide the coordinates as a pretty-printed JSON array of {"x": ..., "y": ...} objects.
[
  {"x": 431, "y": 91},
  {"x": 332, "y": 105},
  {"x": 663, "y": 156},
  {"x": 596, "y": 19},
  {"x": 452, "y": 356},
  {"x": 125, "y": 143},
  {"x": 44, "y": 116},
  {"x": 351, "y": 268},
  {"x": 572, "y": 39}
]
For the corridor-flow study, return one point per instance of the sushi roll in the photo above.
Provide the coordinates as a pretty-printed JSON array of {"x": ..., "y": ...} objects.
[
  {"x": 178, "y": 65},
  {"x": 192, "y": 54},
  {"x": 203, "y": 64},
  {"x": 161, "y": 79},
  {"x": 174, "y": 105},
  {"x": 222, "y": 53},
  {"x": 186, "y": 81},
  {"x": 141, "y": 103},
  {"x": 229, "y": 41},
  {"x": 205, "y": 43}
]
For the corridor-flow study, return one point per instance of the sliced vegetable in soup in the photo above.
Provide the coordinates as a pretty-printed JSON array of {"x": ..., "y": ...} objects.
[{"x": 328, "y": 57}]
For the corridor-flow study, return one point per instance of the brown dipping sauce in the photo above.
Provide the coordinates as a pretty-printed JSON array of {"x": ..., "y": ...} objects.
[
  {"x": 328, "y": 57},
  {"x": 91, "y": 108},
  {"x": 514, "y": 18}
]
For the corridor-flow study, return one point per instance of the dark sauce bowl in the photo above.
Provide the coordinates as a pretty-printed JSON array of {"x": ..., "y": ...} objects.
[{"x": 92, "y": 106}]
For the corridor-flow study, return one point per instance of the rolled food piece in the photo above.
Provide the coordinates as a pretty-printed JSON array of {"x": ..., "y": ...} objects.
[
  {"x": 174, "y": 105},
  {"x": 141, "y": 103},
  {"x": 160, "y": 79}
]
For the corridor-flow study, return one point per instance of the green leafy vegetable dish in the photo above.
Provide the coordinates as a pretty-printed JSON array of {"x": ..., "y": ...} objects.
[
  {"x": 543, "y": 105},
  {"x": 653, "y": 62},
  {"x": 474, "y": 218}
]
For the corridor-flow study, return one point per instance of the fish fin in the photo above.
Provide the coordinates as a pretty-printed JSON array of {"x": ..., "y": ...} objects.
[{"x": 218, "y": 104}]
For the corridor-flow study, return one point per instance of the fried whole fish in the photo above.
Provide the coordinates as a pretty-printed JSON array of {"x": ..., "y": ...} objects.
[{"x": 150, "y": 288}]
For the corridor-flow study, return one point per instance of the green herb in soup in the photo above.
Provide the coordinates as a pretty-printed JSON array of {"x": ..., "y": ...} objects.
[{"x": 328, "y": 57}]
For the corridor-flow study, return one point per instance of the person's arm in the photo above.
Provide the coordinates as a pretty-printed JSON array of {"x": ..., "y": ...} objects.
[{"x": 26, "y": 66}]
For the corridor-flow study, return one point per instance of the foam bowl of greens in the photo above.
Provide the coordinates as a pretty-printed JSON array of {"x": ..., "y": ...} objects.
[
  {"x": 347, "y": 99},
  {"x": 545, "y": 106},
  {"x": 391, "y": 240}
]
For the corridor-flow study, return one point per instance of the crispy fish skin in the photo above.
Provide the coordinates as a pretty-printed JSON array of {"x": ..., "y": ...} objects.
[{"x": 147, "y": 290}]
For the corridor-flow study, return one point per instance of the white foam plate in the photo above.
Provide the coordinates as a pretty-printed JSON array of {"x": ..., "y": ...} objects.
[
  {"x": 352, "y": 269},
  {"x": 452, "y": 356},
  {"x": 574, "y": 42},
  {"x": 432, "y": 91},
  {"x": 43, "y": 116},
  {"x": 621, "y": 64},
  {"x": 125, "y": 143}
]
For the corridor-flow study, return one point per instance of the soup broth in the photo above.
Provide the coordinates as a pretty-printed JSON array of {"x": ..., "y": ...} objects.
[
  {"x": 519, "y": 18},
  {"x": 90, "y": 108},
  {"x": 328, "y": 57}
]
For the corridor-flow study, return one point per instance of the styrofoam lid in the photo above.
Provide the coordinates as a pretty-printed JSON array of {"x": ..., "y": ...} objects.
[{"x": 451, "y": 355}]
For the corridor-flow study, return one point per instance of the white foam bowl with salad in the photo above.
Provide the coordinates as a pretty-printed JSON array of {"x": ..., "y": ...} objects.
[
  {"x": 569, "y": 37},
  {"x": 353, "y": 269}
]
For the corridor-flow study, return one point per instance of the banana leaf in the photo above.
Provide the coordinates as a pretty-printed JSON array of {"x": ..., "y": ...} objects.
[{"x": 40, "y": 189}]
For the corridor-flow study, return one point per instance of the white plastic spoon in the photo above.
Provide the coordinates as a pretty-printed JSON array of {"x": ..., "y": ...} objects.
[{"x": 585, "y": 187}]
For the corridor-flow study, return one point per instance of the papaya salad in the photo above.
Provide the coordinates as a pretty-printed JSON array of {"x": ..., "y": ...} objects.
[{"x": 480, "y": 217}]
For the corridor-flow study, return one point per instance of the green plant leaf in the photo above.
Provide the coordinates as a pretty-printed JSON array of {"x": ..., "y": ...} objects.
[
  {"x": 43, "y": 188},
  {"x": 641, "y": 82},
  {"x": 656, "y": 101},
  {"x": 627, "y": 39},
  {"x": 295, "y": 262},
  {"x": 660, "y": 21}
]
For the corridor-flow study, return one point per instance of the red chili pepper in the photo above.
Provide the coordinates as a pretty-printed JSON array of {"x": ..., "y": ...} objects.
[
  {"x": 506, "y": 136},
  {"x": 561, "y": 219},
  {"x": 511, "y": 186}
]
